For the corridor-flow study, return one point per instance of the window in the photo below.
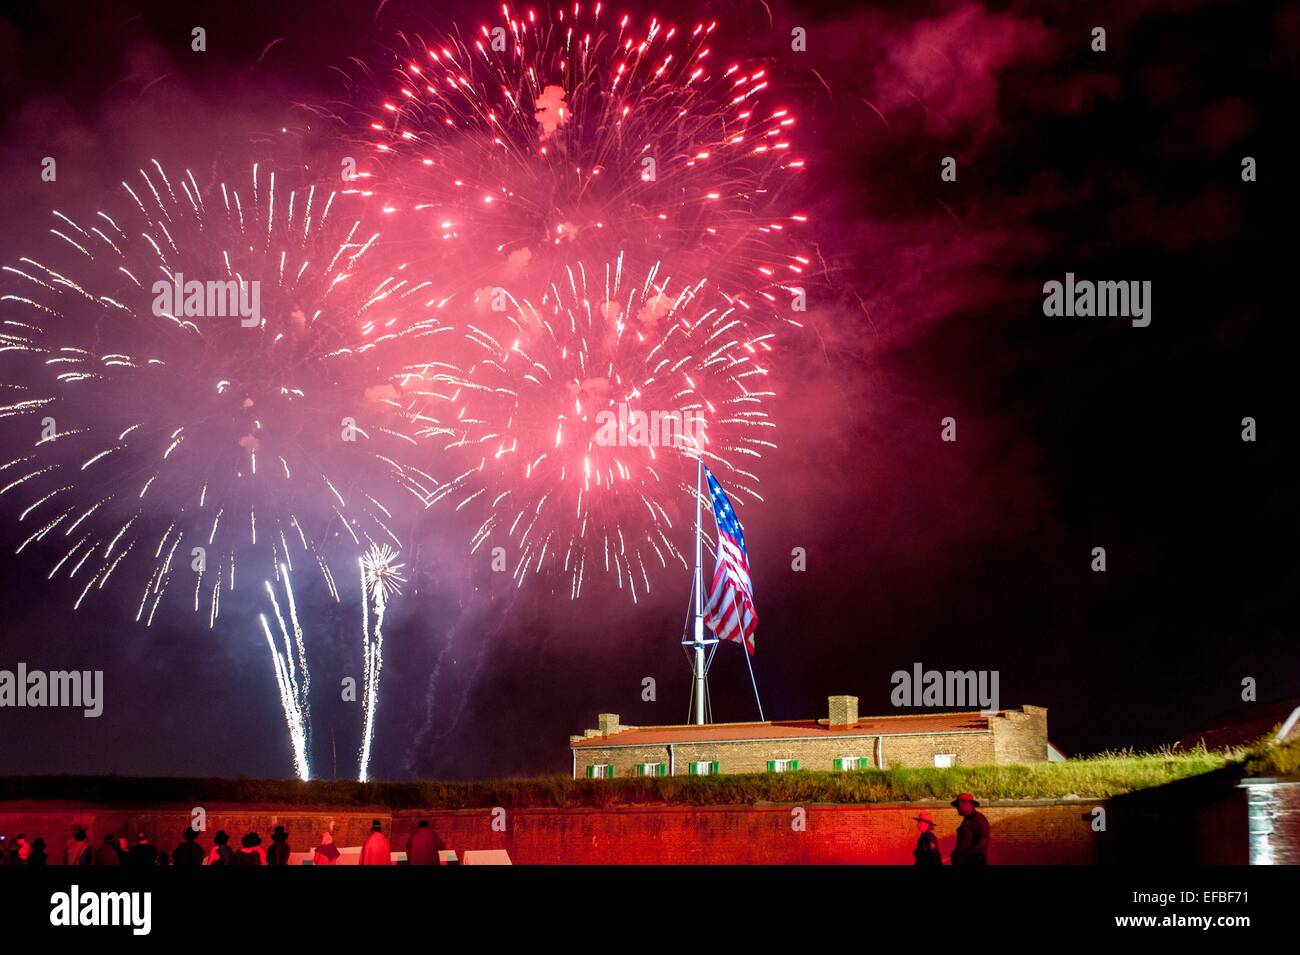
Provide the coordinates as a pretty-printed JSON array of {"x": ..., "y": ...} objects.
[
  {"x": 945, "y": 760},
  {"x": 851, "y": 762},
  {"x": 600, "y": 771},
  {"x": 652, "y": 769},
  {"x": 782, "y": 765},
  {"x": 704, "y": 768}
]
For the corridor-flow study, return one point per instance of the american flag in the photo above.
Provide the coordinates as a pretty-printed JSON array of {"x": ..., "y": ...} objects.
[{"x": 730, "y": 612}]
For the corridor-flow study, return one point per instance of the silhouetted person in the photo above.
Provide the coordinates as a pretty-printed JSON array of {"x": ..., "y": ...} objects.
[
  {"x": 221, "y": 853},
  {"x": 143, "y": 853},
  {"x": 251, "y": 851},
  {"x": 188, "y": 851},
  {"x": 376, "y": 850},
  {"x": 37, "y": 856},
  {"x": 107, "y": 853},
  {"x": 927, "y": 843},
  {"x": 422, "y": 848},
  {"x": 326, "y": 854},
  {"x": 278, "y": 852},
  {"x": 77, "y": 852},
  {"x": 11, "y": 856},
  {"x": 972, "y": 834}
]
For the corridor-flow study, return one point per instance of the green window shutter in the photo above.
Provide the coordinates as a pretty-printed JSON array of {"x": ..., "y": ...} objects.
[
  {"x": 839, "y": 764},
  {"x": 663, "y": 769},
  {"x": 591, "y": 772},
  {"x": 771, "y": 765},
  {"x": 692, "y": 769},
  {"x": 713, "y": 766},
  {"x": 794, "y": 764},
  {"x": 640, "y": 769},
  {"x": 609, "y": 770}
]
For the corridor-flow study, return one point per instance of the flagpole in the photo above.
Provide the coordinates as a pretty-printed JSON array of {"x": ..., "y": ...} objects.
[
  {"x": 699, "y": 592},
  {"x": 744, "y": 647}
]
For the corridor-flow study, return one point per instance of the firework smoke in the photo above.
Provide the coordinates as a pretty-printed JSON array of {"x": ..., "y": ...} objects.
[{"x": 163, "y": 440}]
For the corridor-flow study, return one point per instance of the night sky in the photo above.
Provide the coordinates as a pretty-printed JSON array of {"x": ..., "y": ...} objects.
[{"x": 1072, "y": 433}]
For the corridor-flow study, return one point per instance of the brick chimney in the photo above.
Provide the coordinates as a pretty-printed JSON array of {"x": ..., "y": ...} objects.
[
  {"x": 843, "y": 710},
  {"x": 607, "y": 723}
]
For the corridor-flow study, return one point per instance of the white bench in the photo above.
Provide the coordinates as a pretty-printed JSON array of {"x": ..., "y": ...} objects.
[{"x": 487, "y": 857}]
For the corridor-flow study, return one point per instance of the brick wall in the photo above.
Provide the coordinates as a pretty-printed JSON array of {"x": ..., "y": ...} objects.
[
  {"x": 1014, "y": 737},
  {"x": 1020, "y": 736},
  {"x": 971, "y": 749},
  {"x": 623, "y": 760},
  {"x": 1210, "y": 823},
  {"x": 1022, "y": 833}
]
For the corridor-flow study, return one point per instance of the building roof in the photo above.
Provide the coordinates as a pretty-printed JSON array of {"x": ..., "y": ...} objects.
[
  {"x": 1245, "y": 725},
  {"x": 924, "y": 724}
]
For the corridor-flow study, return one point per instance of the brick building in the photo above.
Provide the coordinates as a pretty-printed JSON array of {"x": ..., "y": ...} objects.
[{"x": 841, "y": 741}]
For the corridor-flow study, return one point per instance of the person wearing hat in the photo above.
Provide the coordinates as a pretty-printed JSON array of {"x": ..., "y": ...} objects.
[
  {"x": 927, "y": 843},
  {"x": 278, "y": 853},
  {"x": 188, "y": 851},
  {"x": 221, "y": 853},
  {"x": 251, "y": 852},
  {"x": 972, "y": 834},
  {"x": 376, "y": 850}
]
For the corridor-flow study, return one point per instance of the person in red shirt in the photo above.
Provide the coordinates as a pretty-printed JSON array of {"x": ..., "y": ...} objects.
[
  {"x": 376, "y": 850},
  {"x": 422, "y": 848},
  {"x": 326, "y": 853}
]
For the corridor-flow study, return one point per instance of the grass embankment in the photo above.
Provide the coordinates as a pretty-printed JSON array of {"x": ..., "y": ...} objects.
[
  {"x": 1264, "y": 760},
  {"x": 1109, "y": 774}
]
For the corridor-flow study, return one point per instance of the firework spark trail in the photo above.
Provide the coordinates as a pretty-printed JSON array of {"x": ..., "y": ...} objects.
[
  {"x": 545, "y": 138},
  {"x": 542, "y": 409},
  {"x": 381, "y": 578},
  {"x": 295, "y": 693},
  {"x": 170, "y": 440}
]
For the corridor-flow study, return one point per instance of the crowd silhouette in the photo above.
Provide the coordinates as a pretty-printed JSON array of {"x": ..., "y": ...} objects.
[{"x": 114, "y": 849}]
